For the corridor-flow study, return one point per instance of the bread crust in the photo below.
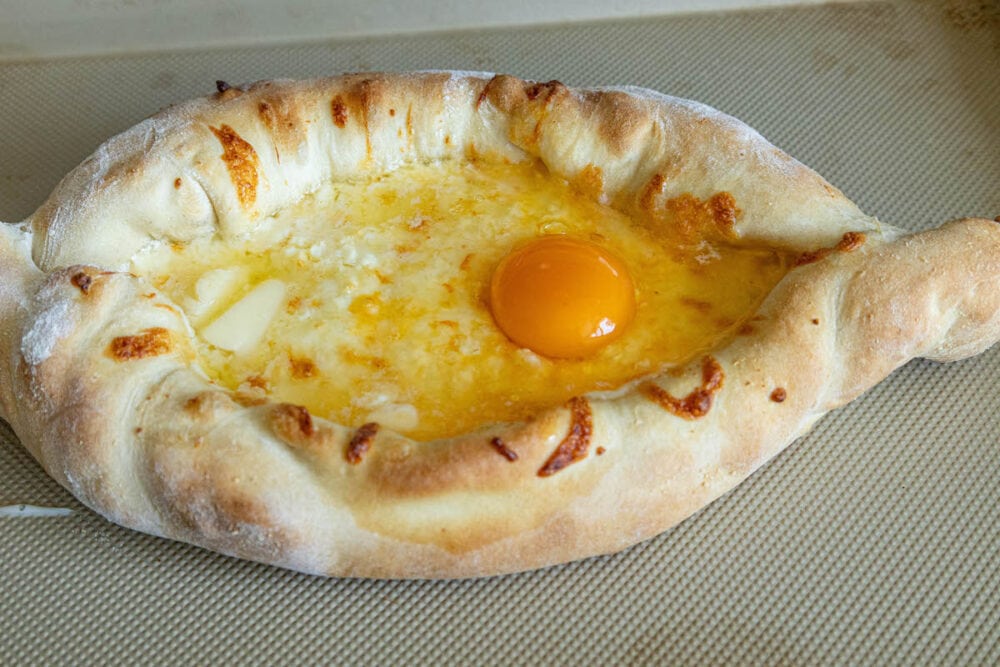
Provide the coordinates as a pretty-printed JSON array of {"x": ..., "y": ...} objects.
[{"x": 97, "y": 376}]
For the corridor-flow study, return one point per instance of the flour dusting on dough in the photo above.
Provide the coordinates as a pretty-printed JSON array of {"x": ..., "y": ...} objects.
[
  {"x": 15, "y": 247},
  {"x": 53, "y": 322},
  {"x": 12, "y": 294}
]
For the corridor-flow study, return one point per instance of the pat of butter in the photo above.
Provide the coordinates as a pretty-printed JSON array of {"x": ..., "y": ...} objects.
[
  {"x": 241, "y": 328},
  {"x": 212, "y": 288}
]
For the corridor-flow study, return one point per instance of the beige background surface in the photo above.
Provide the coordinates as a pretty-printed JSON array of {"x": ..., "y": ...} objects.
[
  {"x": 874, "y": 540},
  {"x": 59, "y": 28}
]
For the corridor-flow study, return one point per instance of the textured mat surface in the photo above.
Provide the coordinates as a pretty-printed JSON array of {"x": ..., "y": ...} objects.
[{"x": 872, "y": 540}]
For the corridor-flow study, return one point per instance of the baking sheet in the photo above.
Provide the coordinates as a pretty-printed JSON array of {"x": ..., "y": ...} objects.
[{"x": 872, "y": 540}]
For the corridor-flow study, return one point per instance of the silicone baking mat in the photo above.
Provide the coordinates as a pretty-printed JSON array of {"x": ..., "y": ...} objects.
[{"x": 874, "y": 539}]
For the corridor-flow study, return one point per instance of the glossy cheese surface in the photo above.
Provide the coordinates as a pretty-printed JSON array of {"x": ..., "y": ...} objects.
[{"x": 370, "y": 301}]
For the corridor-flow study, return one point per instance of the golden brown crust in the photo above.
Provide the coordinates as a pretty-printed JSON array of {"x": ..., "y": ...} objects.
[
  {"x": 502, "y": 449},
  {"x": 576, "y": 444},
  {"x": 246, "y": 153},
  {"x": 241, "y": 160},
  {"x": 699, "y": 401},
  {"x": 361, "y": 442},
  {"x": 848, "y": 242},
  {"x": 149, "y": 343},
  {"x": 99, "y": 359}
]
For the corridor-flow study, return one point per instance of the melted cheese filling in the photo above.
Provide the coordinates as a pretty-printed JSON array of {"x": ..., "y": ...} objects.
[{"x": 367, "y": 301}]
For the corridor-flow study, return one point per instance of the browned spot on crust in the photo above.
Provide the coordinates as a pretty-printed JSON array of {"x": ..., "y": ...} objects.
[
  {"x": 339, "y": 111},
  {"x": 365, "y": 95},
  {"x": 543, "y": 90},
  {"x": 590, "y": 181},
  {"x": 507, "y": 92},
  {"x": 293, "y": 304},
  {"x": 248, "y": 400},
  {"x": 226, "y": 92},
  {"x": 811, "y": 256},
  {"x": 848, "y": 242},
  {"x": 851, "y": 241},
  {"x": 501, "y": 447},
  {"x": 623, "y": 122},
  {"x": 466, "y": 261},
  {"x": 485, "y": 93},
  {"x": 392, "y": 112},
  {"x": 293, "y": 422},
  {"x": 295, "y": 426},
  {"x": 745, "y": 329},
  {"x": 574, "y": 446},
  {"x": 647, "y": 200},
  {"x": 779, "y": 395},
  {"x": 536, "y": 132},
  {"x": 815, "y": 320},
  {"x": 359, "y": 101},
  {"x": 238, "y": 510},
  {"x": 699, "y": 401},
  {"x": 600, "y": 451},
  {"x": 177, "y": 184},
  {"x": 209, "y": 405},
  {"x": 83, "y": 281},
  {"x": 302, "y": 368},
  {"x": 724, "y": 211},
  {"x": 150, "y": 343},
  {"x": 242, "y": 163},
  {"x": 361, "y": 442},
  {"x": 689, "y": 215},
  {"x": 281, "y": 120},
  {"x": 528, "y": 105}
]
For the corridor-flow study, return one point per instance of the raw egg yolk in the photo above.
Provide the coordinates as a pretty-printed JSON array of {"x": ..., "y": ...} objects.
[{"x": 562, "y": 297}]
